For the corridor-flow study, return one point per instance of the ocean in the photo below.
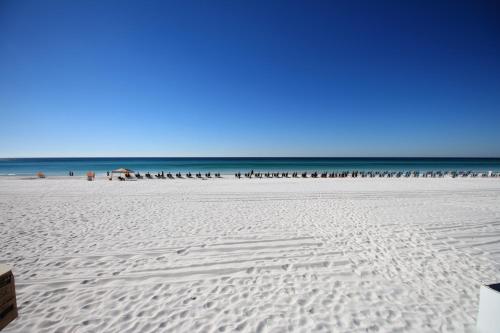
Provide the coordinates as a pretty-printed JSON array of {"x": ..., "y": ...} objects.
[{"x": 226, "y": 165}]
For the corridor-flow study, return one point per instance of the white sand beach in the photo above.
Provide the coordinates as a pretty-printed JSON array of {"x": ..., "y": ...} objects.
[{"x": 250, "y": 255}]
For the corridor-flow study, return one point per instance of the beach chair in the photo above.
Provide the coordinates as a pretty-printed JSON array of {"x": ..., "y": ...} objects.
[{"x": 8, "y": 302}]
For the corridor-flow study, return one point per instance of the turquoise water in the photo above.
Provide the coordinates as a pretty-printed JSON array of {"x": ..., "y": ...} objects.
[{"x": 61, "y": 166}]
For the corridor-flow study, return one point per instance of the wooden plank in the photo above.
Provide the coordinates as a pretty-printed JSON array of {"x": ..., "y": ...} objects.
[
  {"x": 8, "y": 312},
  {"x": 8, "y": 305}
]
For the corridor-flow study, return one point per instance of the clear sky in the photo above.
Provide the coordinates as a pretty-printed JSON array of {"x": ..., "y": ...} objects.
[{"x": 249, "y": 78}]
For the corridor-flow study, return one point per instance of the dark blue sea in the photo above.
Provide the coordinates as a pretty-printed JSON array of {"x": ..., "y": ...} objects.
[{"x": 61, "y": 166}]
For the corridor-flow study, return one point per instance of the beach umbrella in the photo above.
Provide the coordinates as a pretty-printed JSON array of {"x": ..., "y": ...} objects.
[{"x": 122, "y": 170}]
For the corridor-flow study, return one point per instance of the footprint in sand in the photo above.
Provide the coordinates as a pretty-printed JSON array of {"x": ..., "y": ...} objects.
[{"x": 183, "y": 251}]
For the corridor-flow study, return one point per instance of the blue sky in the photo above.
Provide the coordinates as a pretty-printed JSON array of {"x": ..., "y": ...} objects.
[{"x": 249, "y": 78}]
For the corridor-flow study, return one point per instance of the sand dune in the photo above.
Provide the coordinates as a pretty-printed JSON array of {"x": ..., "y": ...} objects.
[{"x": 259, "y": 255}]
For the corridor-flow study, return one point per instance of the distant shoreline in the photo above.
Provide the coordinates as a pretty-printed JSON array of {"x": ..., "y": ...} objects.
[
  {"x": 271, "y": 176},
  {"x": 230, "y": 165}
]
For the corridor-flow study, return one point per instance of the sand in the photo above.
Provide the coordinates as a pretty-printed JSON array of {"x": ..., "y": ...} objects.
[{"x": 259, "y": 255}]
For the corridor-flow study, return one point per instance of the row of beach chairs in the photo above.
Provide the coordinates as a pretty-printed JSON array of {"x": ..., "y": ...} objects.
[
  {"x": 368, "y": 174},
  {"x": 178, "y": 175},
  {"x": 342, "y": 174}
]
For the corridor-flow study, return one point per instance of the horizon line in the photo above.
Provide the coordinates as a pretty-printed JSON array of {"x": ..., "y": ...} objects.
[{"x": 248, "y": 157}]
